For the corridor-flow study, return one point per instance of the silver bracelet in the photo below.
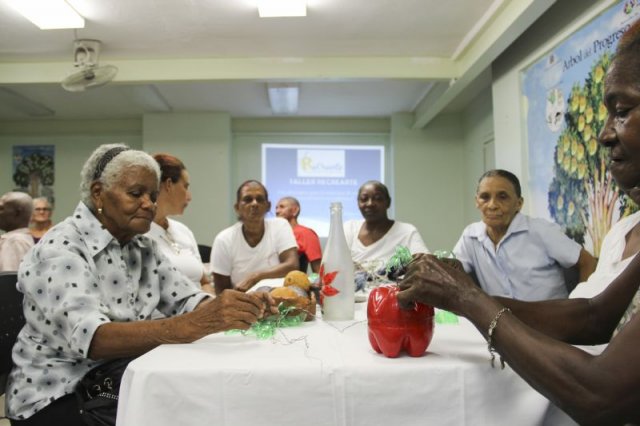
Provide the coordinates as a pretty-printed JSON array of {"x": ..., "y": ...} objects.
[{"x": 492, "y": 327}]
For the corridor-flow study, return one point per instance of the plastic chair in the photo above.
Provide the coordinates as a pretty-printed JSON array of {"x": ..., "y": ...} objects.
[
  {"x": 11, "y": 322},
  {"x": 571, "y": 277},
  {"x": 205, "y": 252},
  {"x": 303, "y": 263}
]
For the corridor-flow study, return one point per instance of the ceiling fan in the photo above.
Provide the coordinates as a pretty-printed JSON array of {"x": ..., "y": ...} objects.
[{"x": 90, "y": 75}]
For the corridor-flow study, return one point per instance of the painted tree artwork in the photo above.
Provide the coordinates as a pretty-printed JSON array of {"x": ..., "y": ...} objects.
[
  {"x": 33, "y": 170},
  {"x": 569, "y": 182},
  {"x": 583, "y": 195}
]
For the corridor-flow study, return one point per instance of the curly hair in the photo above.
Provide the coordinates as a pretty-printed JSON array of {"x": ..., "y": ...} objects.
[{"x": 107, "y": 163}]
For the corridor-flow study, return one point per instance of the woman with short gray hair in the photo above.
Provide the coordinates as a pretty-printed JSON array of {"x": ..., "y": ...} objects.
[
  {"x": 91, "y": 285},
  {"x": 40, "y": 218},
  {"x": 105, "y": 165}
]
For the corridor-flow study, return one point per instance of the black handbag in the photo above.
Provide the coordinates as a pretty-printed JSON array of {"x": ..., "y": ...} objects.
[{"x": 97, "y": 393}]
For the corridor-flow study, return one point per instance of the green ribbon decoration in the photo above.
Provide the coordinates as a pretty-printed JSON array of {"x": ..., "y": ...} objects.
[
  {"x": 446, "y": 317},
  {"x": 400, "y": 259},
  {"x": 266, "y": 328},
  {"x": 444, "y": 254}
]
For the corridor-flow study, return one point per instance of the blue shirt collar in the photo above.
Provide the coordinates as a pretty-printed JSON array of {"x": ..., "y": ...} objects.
[{"x": 518, "y": 224}]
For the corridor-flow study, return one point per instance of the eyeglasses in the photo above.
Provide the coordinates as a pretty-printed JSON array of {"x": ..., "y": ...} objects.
[{"x": 42, "y": 209}]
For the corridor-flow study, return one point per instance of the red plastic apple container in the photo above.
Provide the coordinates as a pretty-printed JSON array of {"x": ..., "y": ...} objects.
[{"x": 392, "y": 329}]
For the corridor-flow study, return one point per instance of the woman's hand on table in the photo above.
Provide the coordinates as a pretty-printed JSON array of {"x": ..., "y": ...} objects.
[
  {"x": 234, "y": 310},
  {"x": 443, "y": 285}
]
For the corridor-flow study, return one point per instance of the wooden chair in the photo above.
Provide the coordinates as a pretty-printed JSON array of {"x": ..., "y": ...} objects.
[{"x": 11, "y": 322}]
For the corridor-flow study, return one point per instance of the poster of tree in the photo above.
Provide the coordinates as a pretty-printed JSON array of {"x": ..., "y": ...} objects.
[
  {"x": 563, "y": 95},
  {"x": 33, "y": 170}
]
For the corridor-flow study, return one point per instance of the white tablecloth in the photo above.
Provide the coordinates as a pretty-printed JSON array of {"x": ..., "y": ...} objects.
[{"x": 327, "y": 374}]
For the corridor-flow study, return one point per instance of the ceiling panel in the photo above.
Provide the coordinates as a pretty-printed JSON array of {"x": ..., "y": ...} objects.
[{"x": 350, "y": 58}]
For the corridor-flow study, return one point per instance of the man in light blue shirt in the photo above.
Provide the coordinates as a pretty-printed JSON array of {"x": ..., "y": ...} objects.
[{"x": 514, "y": 255}]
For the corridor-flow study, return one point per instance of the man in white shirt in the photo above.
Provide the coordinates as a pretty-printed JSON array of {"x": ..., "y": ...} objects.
[{"x": 254, "y": 248}]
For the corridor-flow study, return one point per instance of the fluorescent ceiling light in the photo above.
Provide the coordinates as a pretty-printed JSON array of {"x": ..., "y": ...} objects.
[
  {"x": 49, "y": 14},
  {"x": 283, "y": 98},
  {"x": 280, "y": 8}
]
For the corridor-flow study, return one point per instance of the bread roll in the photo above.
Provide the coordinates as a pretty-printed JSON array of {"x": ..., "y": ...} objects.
[
  {"x": 284, "y": 293},
  {"x": 295, "y": 297},
  {"x": 297, "y": 279}
]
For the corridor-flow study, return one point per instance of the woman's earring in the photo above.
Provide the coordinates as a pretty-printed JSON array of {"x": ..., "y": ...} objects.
[{"x": 99, "y": 210}]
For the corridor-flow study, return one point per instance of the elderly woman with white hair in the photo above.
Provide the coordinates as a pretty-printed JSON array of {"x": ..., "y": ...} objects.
[
  {"x": 91, "y": 286},
  {"x": 40, "y": 218}
]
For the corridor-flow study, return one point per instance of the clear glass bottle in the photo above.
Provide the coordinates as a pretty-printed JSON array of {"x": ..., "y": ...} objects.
[{"x": 336, "y": 272}]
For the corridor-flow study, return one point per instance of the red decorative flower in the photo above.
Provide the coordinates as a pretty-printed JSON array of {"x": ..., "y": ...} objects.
[{"x": 326, "y": 280}]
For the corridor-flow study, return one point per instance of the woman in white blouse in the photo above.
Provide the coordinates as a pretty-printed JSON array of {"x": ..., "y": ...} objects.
[
  {"x": 175, "y": 240},
  {"x": 373, "y": 240}
]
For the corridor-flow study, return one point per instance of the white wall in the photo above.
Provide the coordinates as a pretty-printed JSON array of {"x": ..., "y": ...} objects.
[
  {"x": 429, "y": 177},
  {"x": 478, "y": 131}
]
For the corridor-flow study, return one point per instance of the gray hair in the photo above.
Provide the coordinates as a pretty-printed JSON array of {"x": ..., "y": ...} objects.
[
  {"x": 45, "y": 199},
  {"x": 22, "y": 203},
  {"x": 96, "y": 169},
  {"x": 505, "y": 174}
]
